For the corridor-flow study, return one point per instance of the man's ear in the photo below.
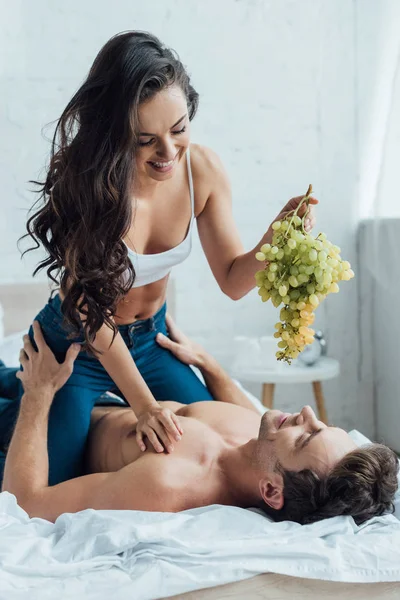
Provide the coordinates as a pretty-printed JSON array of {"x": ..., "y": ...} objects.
[{"x": 271, "y": 490}]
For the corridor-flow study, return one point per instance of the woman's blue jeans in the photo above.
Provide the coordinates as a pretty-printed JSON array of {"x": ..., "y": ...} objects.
[{"x": 69, "y": 419}]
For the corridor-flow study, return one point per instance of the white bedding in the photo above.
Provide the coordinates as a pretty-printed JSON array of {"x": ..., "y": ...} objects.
[{"x": 141, "y": 555}]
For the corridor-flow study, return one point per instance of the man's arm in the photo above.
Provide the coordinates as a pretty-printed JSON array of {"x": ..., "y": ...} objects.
[
  {"x": 136, "y": 486},
  {"x": 142, "y": 485},
  {"x": 221, "y": 386}
]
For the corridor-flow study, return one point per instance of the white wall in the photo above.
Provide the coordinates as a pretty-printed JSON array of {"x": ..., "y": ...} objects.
[{"x": 286, "y": 90}]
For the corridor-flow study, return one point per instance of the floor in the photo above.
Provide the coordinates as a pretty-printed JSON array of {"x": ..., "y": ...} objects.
[{"x": 281, "y": 587}]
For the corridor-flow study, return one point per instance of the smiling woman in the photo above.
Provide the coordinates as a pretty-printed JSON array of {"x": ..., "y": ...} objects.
[{"x": 122, "y": 191}]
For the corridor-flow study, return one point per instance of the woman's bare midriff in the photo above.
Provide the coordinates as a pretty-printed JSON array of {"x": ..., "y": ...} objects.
[{"x": 139, "y": 303}]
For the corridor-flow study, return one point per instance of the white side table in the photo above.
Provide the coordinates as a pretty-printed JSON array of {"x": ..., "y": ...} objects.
[{"x": 297, "y": 372}]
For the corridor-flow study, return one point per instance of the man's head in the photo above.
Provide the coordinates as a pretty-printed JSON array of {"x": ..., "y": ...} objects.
[{"x": 312, "y": 471}]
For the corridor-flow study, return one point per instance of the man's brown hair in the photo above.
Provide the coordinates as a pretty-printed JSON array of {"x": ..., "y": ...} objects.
[{"x": 363, "y": 485}]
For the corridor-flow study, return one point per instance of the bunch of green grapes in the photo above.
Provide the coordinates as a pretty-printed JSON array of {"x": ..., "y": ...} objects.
[{"x": 300, "y": 271}]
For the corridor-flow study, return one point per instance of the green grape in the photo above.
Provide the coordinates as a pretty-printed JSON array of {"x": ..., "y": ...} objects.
[
  {"x": 318, "y": 246},
  {"x": 322, "y": 256},
  {"x": 303, "y": 278},
  {"x": 333, "y": 288},
  {"x": 297, "y": 221},
  {"x": 294, "y": 270},
  {"x": 314, "y": 300},
  {"x": 283, "y": 290},
  {"x": 313, "y": 255},
  {"x": 276, "y": 301},
  {"x": 283, "y": 314},
  {"x": 310, "y": 288}
]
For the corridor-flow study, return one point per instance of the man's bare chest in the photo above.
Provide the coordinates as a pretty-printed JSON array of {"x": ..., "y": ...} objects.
[{"x": 208, "y": 428}]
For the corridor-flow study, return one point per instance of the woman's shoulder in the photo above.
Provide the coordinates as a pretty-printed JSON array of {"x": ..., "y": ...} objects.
[
  {"x": 204, "y": 160},
  {"x": 209, "y": 173}
]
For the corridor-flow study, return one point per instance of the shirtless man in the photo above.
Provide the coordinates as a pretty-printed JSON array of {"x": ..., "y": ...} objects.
[{"x": 291, "y": 465}]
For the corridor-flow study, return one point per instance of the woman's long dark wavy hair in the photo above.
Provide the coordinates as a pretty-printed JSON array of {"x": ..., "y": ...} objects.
[{"x": 86, "y": 196}]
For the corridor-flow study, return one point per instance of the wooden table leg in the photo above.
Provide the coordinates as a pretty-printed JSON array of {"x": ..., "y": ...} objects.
[
  {"x": 268, "y": 394},
  {"x": 320, "y": 402}
]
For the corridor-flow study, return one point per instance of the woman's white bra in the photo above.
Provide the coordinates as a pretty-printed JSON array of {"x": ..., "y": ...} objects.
[{"x": 153, "y": 267}]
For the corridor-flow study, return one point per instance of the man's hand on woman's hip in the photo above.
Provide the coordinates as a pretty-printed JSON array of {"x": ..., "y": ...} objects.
[
  {"x": 185, "y": 349},
  {"x": 41, "y": 371}
]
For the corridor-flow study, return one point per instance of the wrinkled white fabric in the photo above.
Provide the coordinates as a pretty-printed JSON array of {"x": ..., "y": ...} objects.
[{"x": 143, "y": 555}]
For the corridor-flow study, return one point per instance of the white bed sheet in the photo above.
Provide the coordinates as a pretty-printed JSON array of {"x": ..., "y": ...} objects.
[{"x": 141, "y": 555}]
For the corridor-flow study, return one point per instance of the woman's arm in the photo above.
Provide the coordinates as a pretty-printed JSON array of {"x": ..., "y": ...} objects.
[
  {"x": 233, "y": 268},
  {"x": 121, "y": 367},
  {"x": 119, "y": 364},
  {"x": 158, "y": 424}
]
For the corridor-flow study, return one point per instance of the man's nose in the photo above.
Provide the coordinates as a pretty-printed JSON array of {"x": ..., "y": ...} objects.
[{"x": 308, "y": 414}]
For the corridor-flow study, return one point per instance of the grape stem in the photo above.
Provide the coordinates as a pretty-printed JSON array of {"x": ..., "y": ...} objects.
[
  {"x": 282, "y": 276},
  {"x": 306, "y": 199}
]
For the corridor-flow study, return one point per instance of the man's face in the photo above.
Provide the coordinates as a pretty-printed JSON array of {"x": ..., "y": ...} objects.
[{"x": 300, "y": 441}]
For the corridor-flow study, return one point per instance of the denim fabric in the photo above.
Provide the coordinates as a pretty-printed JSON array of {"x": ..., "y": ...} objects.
[{"x": 69, "y": 419}]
